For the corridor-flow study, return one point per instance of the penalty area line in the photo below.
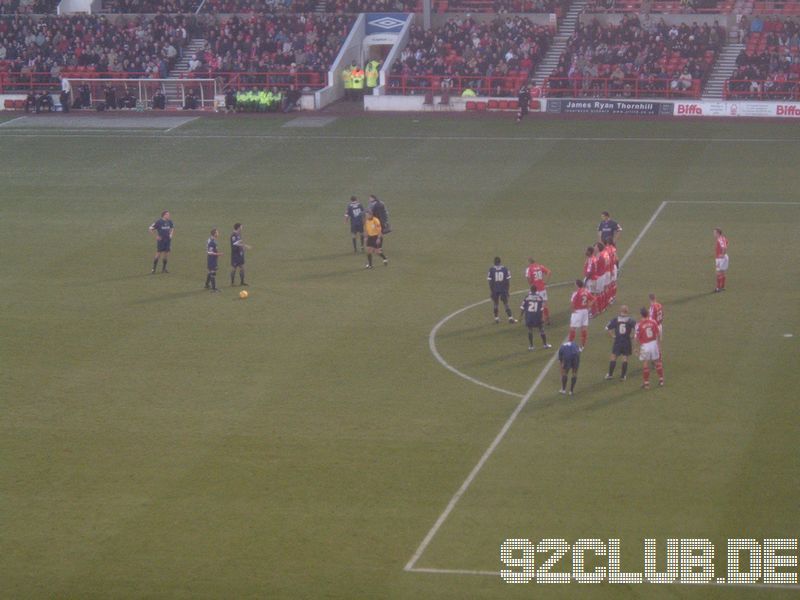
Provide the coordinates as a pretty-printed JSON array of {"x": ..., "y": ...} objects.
[{"x": 509, "y": 422}]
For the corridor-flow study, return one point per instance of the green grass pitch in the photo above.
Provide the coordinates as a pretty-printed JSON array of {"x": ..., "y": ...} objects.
[{"x": 160, "y": 441}]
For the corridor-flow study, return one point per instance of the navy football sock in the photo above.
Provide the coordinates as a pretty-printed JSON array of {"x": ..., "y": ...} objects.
[
  {"x": 611, "y": 366},
  {"x": 530, "y": 339},
  {"x": 241, "y": 276},
  {"x": 572, "y": 385},
  {"x": 563, "y": 382},
  {"x": 624, "y": 368}
]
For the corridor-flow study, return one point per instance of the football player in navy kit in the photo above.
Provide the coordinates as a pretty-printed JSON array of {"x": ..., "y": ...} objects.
[
  {"x": 569, "y": 355},
  {"x": 608, "y": 230},
  {"x": 212, "y": 254},
  {"x": 499, "y": 278},
  {"x": 237, "y": 254},
  {"x": 355, "y": 215},
  {"x": 621, "y": 329},
  {"x": 532, "y": 308},
  {"x": 163, "y": 229}
]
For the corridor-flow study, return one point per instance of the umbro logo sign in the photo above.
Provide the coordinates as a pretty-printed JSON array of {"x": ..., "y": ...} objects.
[{"x": 387, "y": 23}]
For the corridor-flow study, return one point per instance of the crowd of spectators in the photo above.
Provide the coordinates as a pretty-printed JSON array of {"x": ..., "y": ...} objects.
[
  {"x": 268, "y": 43},
  {"x": 659, "y": 6},
  {"x": 631, "y": 58},
  {"x": 559, "y": 7},
  {"x": 28, "y": 7},
  {"x": 769, "y": 66},
  {"x": 469, "y": 52},
  {"x": 258, "y": 6},
  {"x": 132, "y": 7},
  {"x": 54, "y": 45},
  {"x": 328, "y": 6}
]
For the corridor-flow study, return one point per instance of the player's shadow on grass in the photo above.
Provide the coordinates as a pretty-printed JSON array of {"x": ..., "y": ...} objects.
[
  {"x": 693, "y": 297},
  {"x": 323, "y": 257},
  {"x": 632, "y": 385},
  {"x": 169, "y": 297},
  {"x": 522, "y": 356}
]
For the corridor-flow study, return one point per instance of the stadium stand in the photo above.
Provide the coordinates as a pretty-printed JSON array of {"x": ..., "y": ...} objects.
[
  {"x": 629, "y": 60},
  {"x": 492, "y": 58},
  {"x": 34, "y": 52},
  {"x": 662, "y": 6},
  {"x": 259, "y": 7},
  {"x": 769, "y": 66},
  {"x": 262, "y": 43},
  {"x": 131, "y": 7},
  {"x": 28, "y": 7}
]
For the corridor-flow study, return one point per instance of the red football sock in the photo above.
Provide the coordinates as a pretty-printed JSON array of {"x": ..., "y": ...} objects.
[
  {"x": 722, "y": 280},
  {"x": 646, "y": 373},
  {"x": 584, "y": 336},
  {"x": 546, "y": 313},
  {"x": 719, "y": 281},
  {"x": 571, "y": 337},
  {"x": 660, "y": 370}
]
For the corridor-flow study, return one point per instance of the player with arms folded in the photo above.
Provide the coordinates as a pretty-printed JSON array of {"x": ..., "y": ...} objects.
[
  {"x": 499, "y": 278},
  {"x": 656, "y": 312},
  {"x": 163, "y": 229},
  {"x": 582, "y": 301},
  {"x": 538, "y": 276},
  {"x": 614, "y": 260},
  {"x": 532, "y": 309},
  {"x": 648, "y": 337},
  {"x": 620, "y": 328},
  {"x": 590, "y": 277},
  {"x": 721, "y": 259},
  {"x": 603, "y": 270}
]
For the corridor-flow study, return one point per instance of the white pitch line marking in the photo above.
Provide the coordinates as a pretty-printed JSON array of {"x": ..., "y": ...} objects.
[
  {"x": 509, "y": 422},
  {"x": 451, "y": 368},
  {"x": 19, "y": 132},
  {"x": 173, "y": 128},
  {"x": 7, "y": 123}
]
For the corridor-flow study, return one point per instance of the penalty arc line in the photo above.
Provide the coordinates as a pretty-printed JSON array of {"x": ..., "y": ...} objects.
[
  {"x": 509, "y": 422},
  {"x": 434, "y": 350}
]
